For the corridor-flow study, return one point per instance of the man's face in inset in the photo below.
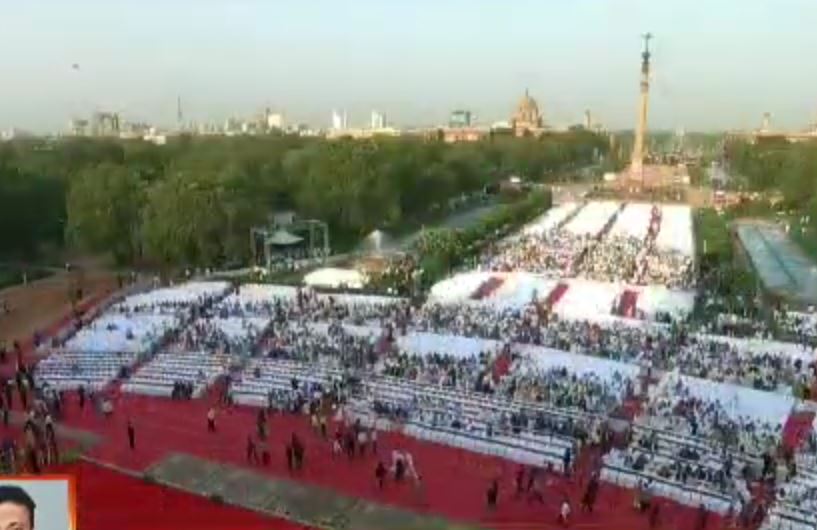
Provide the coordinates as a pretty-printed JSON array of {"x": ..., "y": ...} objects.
[{"x": 14, "y": 516}]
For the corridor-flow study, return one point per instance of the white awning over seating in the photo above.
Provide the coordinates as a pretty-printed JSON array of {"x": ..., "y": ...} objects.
[
  {"x": 547, "y": 358},
  {"x": 774, "y": 348},
  {"x": 429, "y": 343},
  {"x": 737, "y": 400}
]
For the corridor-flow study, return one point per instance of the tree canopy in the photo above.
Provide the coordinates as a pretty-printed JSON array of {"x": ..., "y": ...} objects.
[
  {"x": 790, "y": 168},
  {"x": 192, "y": 201}
]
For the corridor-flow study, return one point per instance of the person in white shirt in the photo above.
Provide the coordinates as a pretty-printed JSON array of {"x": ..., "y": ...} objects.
[{"x": 564, "y": 513}]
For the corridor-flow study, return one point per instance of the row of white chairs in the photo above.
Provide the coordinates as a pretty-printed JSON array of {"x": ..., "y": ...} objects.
[
  {"x": 159, "y": 375},
  {"x": 524, "y": 448},
  {"x": 170, "y": 298},
  {"x": 121, "y": 333},
  {"x": 70, "y": 369},
  {"x": 688, "y": 496},
  {"x": 492, "y": 446}
]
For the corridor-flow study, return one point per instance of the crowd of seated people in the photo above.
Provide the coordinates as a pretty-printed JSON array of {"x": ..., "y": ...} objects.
[
  {"x": 308, "y": 305},
  {"x": 612, "y": 259},
  {"x": 297, "y": 341},
  {"x": 796, "y": 325},
  {"x": 669, "y": 268},
  {"x": 471, "y": 373},
  {"x": 559, "y": 387},
  {"x": 665, "y": 347},
  {"x": 675, "y": 409},
  {"x": 796, "y": 492},
  {"x": 208, "y": 334},
  {"x": 553, "y": 252},
  {"x": 143, "y": 304},
  {"x": 694, "y": 449}
]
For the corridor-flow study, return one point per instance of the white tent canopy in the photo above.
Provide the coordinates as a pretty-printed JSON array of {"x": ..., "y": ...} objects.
[
  {"x": 283, "y": 238},
  {"x": 334, "y": 278}
]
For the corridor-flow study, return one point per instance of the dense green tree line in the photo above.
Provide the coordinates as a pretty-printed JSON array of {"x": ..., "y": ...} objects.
[
  {"x": 790, "y": 168},
  {"x": 192, "y": 201}
]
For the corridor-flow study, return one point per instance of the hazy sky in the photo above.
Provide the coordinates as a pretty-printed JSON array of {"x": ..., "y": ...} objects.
[{"x": 718, "y": 63}]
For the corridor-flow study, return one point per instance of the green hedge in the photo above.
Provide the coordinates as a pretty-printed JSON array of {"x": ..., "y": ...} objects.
[
  {"x": 441, "y": 250},
  {"x": 713, "y": 239}
]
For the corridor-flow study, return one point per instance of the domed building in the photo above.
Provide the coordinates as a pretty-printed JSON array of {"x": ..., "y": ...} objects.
[{"x": 527, "y": 117}]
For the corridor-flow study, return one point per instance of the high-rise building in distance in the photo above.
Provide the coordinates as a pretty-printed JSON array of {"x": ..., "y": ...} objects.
[
  {"x": 339, "y": 121},
  {"x": 460, "y": 118},
  {"x": 378, "y": 120},
  {"x": 275, "y": 120}
]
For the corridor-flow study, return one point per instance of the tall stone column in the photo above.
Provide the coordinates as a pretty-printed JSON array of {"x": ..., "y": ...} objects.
[{"x": 637, "y": 161}]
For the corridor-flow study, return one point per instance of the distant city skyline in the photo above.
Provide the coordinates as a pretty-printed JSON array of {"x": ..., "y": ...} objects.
[{"x": 718, "y": 65}]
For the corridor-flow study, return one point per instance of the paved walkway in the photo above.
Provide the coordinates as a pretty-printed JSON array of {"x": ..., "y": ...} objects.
[{"x": 309, "y": 505}]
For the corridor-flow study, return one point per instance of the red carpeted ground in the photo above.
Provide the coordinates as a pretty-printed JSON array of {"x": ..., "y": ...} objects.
[
  {"x": 628, "y": 303},
  {"x": 797, "y": 428},
  {"x": 501, "y": 367},
  {"x": 109, "y": 500},
  {"x": 454, "y": 481},
  {"x": 488, "y": 287},
  {"x": 556, "y": 294}
]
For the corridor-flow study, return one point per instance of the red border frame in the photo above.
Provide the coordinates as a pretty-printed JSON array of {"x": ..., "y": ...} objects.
[{"x": 72, "y": 490}]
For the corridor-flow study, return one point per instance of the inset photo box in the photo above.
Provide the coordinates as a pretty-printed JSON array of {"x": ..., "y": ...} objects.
[{"x": 38, "y": 502}]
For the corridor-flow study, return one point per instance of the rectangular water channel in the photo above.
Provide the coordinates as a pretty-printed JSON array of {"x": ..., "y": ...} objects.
[{"x": 782, "y": 266}]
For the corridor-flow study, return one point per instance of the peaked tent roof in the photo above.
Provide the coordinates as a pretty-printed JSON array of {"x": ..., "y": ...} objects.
[{"x": 283, "y": 238}]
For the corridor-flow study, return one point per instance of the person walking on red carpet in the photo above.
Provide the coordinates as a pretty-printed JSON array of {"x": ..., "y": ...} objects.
[
  {"x": 297, "y": 452},
  {"x": 337, "y": 444},
  {"x": 564, "y": 512},
  {"x": 131, "y": 436},
  {"x": 211, "y": 420},
  {"x": 590, "y": 492},
  {"x": 701, "y": 518},
  {"x": 492, "y": 495},
  {"x": 290, "y": 457},
  {"x": 9, "y": 394},
  {"x": 380, "y": 475},
  {"x": 252, "y": 452},
  {"x": 519, "y": 480},
  {"x": 5, "y": 407},
  {"x": 373, "y": 440}
]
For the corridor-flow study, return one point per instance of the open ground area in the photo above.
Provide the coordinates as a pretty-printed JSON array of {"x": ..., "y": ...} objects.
[
  {"x": 216, "y": 381},
  {"x": 37, "y": 305}
]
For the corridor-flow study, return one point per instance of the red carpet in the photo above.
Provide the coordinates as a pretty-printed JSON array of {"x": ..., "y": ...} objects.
[
  {"x": 628, "y": 303},
  {"x": 108, "y": 500},
  {"x": 487, "y": 288},
  {"x": 610, "y": 222},
  {"x": 629, "y": 409},
  {"x": 454, "y": 481},
  {"x": 501, "y": 367},
  {"x": 797, "y": 428},
  {"x": 556, "y": 294}
]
